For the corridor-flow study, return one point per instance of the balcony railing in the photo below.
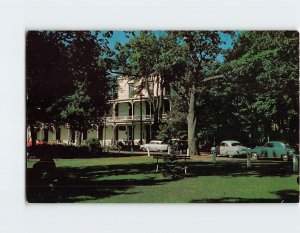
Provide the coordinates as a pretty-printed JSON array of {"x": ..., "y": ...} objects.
[{"x": 134, "y": 117}]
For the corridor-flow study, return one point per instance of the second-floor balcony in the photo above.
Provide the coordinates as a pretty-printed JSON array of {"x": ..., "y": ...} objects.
[{"x": 145, "y": 118}]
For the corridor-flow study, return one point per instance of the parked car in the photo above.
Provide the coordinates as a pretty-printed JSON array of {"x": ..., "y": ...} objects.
[
  {"x": 272, "y": 149},
  {"x": 230, "y": 148},
  {"x": 155, "y": 145}
]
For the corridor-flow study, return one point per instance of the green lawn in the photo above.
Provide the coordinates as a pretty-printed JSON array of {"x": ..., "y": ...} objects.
[{"x": 133, "y": 180}]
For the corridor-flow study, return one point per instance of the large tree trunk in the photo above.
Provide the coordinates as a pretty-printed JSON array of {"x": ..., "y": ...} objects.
[
  {"x": 155, "y": 126},
  {"x": 192, "y": 120},
  {"x": 78, "y": 138}
]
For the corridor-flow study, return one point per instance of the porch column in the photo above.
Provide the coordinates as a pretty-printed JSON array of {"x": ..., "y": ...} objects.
[
  {"x": 150, "y": 109},
  {"x": 69, "y": 136},
  {"x": 114, "y": 134},
  {"x": 114, "y": 110},
  {"x": 127, "y": 136},
  {"x": 132, "y": 108}
]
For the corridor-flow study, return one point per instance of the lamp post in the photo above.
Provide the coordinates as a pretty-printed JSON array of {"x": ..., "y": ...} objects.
[{"x": 141, "y": 119}]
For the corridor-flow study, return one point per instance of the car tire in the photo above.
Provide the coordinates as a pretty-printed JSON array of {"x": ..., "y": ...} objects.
[
  {"x": 285, "y": 157},
  {"x": 254, "y": 156}
]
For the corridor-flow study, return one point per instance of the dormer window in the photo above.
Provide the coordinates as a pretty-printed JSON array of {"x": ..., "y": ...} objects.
[{"x": 151, "y": 88}]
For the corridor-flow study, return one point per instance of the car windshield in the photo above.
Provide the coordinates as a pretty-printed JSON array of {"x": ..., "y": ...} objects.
[
  {"x": 285, "y": 145},
  {"x": 236, "y": 144}
]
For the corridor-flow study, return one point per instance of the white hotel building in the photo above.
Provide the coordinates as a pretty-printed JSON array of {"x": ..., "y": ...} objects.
[{"x": 124, "y": 123}]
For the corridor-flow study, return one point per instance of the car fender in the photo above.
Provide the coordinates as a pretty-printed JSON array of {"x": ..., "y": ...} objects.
[{"x": 258, "y": 151}]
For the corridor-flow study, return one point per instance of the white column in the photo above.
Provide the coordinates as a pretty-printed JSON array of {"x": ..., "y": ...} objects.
[
  {"x": 150, "y": 110},
  {"x": 132, "y": 109},
  {"x": 114, "y": 110},
  {"x": 69, "y": 140}
]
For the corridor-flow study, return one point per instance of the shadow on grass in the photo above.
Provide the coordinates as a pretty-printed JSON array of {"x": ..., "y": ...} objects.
[
  {"x": 283, "y": 196},
  {"x": 234, "y": 168},
  {"x": 75, "y": 184},
  {"x": 86, "y": 183}
]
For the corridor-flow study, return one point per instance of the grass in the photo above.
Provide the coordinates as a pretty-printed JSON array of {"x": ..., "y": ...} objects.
[{"x": 133, "y": 180}]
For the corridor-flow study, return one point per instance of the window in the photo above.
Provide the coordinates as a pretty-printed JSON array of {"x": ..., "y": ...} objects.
[
  {"x": 73, "y": 136},
  {"x": 84, "y": 135},
  {"x": 166, "y": 106},
  {"x": 236, "y": 144},
  {"x": 150, "y": 84},
  {"x": 269, "y": 145},
  {"x": 122, "y": 128},
  {"x": 58, "y": 133},
  {"x": 167, "y": 89},
  {"x": 45, "y": 139},
  {"x": 130, "y": 90}
]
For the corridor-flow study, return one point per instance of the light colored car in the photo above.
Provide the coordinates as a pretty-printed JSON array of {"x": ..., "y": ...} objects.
[
  {"x": 230, "y": 148},
  {"x": 155, "y": 145}
]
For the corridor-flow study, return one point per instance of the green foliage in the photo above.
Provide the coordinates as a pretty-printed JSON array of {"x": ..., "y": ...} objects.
[
  {"x": 68, "y": 79},
  {"x": 87, "y": 104},
  {"x": 94, "y": 145},
  {"x": 201, "y": 50},
  {"x": 46, "y": 74},
  {"x": 175, "y": 126},
  {"x": 257, "y": 99},
  {"x": 263, "y": 70},
  {"x": 153, "y": 61},
  {"x": 172, "y": 167}
]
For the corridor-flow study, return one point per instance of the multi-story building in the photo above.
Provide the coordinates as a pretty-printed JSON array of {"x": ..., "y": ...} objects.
[
  {"x": 130, "y": 119},
  {"x": 132, "y": 114}
]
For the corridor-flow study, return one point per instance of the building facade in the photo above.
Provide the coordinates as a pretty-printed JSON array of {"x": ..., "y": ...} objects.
[
  {"x": 132, "y": 116},
  {"x": 130, "y": 119}
]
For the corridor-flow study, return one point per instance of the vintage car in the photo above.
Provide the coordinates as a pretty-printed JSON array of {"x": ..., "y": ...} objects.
[
  {"x": 155, "y": 145},
  {"x": 230, "y": 148},
  {"x": 272, "y": 149}
]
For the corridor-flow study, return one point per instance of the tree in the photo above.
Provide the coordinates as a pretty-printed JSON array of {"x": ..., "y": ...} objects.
[
  {"x": 153, "y": 61},
  {"x": 68, "y": 78},
  {"x": 46, "y": 76},
  {"x": 202, "y": 48},
  {"x": 263, "y": 67},
  {"x": 175, "y": 126},
  {"x": 88, "y": 65}
]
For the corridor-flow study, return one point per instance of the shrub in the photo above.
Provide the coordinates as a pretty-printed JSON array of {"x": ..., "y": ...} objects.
[
  {"x": 61, "y": 151},
  {"x": 94, "y": 145},
  {"x": 172, "y": 167}
]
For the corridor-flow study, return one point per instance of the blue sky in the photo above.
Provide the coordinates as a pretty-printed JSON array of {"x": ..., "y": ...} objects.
[{"x": 119, "y": 36}]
